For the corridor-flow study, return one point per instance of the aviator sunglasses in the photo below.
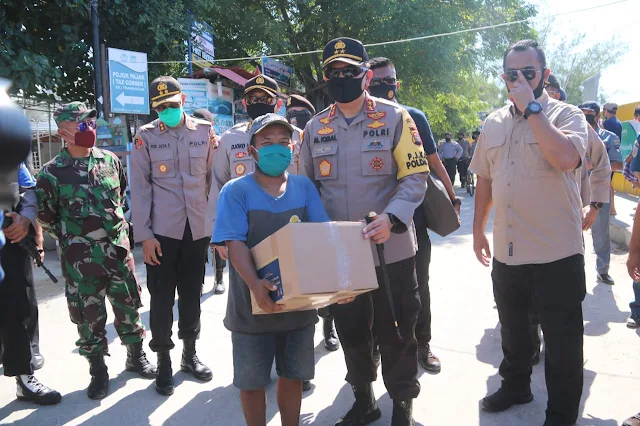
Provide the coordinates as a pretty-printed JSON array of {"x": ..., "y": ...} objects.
[
  {"x": 349, "y": 71},
  {"x": 528, "y": 73}
]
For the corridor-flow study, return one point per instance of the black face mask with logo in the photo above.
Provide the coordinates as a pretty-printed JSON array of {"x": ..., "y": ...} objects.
[
  {"x": 299, "y": 118},
  {"x": 384, "y": 91},
  {"x": 256, "y": 110},
  {"x": 345, "y": 90}
]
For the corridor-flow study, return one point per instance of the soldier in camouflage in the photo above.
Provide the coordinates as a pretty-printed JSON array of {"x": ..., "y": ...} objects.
[{"x": 80, "y": 197}]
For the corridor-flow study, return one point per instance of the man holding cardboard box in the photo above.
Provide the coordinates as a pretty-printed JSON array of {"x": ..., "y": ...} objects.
[
  {"x": 250, "y": 209},
  {"x": 365, "y": 154}
]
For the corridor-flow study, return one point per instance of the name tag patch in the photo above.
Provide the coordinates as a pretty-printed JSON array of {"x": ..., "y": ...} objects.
[
  {"x": 324, "y": 139},
  {"x": 239, "y": 146},
  {"x": 159, "y": 145}
]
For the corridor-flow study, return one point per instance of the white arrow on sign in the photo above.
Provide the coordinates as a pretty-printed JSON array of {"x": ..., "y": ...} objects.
[{"x": 131, "y": 100}]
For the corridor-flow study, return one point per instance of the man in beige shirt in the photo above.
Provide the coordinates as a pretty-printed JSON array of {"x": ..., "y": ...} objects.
[{"x": 526, "y": 161}]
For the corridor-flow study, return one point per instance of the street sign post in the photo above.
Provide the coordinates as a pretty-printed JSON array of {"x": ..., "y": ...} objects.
[{"x": 128, "y": 82}]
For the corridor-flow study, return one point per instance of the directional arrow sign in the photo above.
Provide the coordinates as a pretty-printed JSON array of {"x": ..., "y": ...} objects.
[
  {"x": 130, "y": 100},
  {"x": 129, "y": 82}
]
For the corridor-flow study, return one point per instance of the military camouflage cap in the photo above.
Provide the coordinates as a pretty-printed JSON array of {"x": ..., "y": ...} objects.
[{"x": 73, "y": 111}]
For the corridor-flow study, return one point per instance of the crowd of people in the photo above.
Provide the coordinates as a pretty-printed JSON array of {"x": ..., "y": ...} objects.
[{"x": 193, "y": 191}]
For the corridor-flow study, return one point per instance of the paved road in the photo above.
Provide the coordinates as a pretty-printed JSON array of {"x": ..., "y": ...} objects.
[{"x": 465, "y": 337}]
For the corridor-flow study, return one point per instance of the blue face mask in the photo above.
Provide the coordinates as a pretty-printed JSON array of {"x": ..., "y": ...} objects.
[
  {"x": 171, "y": 116},
  {"x": 273, "y": 160}
]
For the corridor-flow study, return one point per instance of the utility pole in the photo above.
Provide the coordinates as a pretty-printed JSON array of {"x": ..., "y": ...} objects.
[{"x": 97, "y": 68}]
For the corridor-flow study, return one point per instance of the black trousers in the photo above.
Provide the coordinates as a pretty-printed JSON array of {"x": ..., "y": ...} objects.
[
  {"x": 450, "y": 165},
  {"x": 181, "y": 268},
  {"x": 463, "y": 166},
  {"x": 15, "y": 310},
  {"x": 423, "y": 259},
  {"x": 558, "y": 289},
  {"x": 368, "y": 315}
]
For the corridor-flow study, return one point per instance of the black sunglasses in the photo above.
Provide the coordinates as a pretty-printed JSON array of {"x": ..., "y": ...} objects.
[
  {"x": 528, "y": 73},
  {"x": 384, "y": 80},
  {"x": 350, "y": 71},
  {"x": 251, "y": 100}
]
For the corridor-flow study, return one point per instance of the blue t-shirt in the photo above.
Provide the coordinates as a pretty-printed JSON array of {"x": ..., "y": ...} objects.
[
  {"x": 246, "y": 212},
  {"x": 422, "y": 123},
  {"x": 25, "y": 179},
  {"x": 614, "y": 126}
]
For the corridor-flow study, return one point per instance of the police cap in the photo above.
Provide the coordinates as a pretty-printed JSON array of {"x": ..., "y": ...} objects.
[
  {"x": 300, "y": 101},
  {"x": 264, "y": 83},
  {"x": 344, "y": 49},
  {"x": 165, "y": 89}
]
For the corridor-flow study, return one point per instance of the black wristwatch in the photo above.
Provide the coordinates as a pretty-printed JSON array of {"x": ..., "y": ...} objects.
[
  {"x": 595, "y": 205},
  {"x": 533, "y": 108},
  {"x": 397, "y": 226},
  {"x": 457, "y": 202}
]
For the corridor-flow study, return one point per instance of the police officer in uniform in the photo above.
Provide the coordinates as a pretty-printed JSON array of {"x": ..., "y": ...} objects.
[
  {"x": 465, "y": 159},
  {"x": 450, "y": 152},
  {"x": 170, "y": 180},
  {"x": 232, "y": 159},
  {"x": 365, "y": 154}
]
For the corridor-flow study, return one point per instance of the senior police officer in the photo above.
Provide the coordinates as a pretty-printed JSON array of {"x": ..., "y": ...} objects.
[
  {"x": 170, "y": 179},
  {"x": 365, "y": 154},
  {"x": 450, "y": 152},
  {"x": 80, "y": 197}
]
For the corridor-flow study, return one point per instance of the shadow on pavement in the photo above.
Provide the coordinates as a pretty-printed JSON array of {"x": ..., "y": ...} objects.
[{"x": 600, "y": 309}]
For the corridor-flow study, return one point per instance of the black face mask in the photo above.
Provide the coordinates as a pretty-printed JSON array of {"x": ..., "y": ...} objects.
[
  {"x": 537, "y": 92},
  {"x": 299, "y": 118},
  {"x": 256, "y": 110},
  {"x": 447, "y": 139},
  {"x": 384, "y": 91},
  {"x": 591, "y": 119},
  {"x": 345, "y": 90}
]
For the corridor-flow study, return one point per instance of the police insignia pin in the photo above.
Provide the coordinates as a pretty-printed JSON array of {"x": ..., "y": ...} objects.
[
  {"x": 260, "y": 80},
  {"x": 325, "y": 120},
  {"x": 162, "y": 89},
  {"x": 323, "y": 150},
  {"x": 376, "y": 115},
  {"x": 241, "y": 154},
  {"x": 371, "y": 105},
  {"x": 163, "y": 168},
  {"x": 325, "y": 168},
  {"x": 294, "y": 219},
  {"x": 240, "y": 169},
  {"x": 162, "y": 127},
  {"x": 376, "y": 124},
  {"x": 375, "y": 145},
  {"x": 377, "y": 163},
  {"x": 325, "y": 131}
]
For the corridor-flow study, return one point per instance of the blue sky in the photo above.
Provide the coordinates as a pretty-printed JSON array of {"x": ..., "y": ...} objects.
[{"x": 620, "y": 81}]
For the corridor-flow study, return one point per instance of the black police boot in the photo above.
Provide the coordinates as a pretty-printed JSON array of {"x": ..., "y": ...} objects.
[
  {"x": 99, "y": 385},
  {"x": 364, "y": 411},
  {"x": 137, "y": 361},
  {"x": 331, "y": 342},
  {"x": 164, "y": 377},
  {"x": 218, "y": 287},
  {"x": 402, "y": 413},
  {"x": 191, "y": 364},
  {"x": 503, "y": 399},
  {"x": 30, "y": 389}
]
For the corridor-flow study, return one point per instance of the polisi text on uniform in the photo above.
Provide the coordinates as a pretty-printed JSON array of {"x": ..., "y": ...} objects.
[
  {"x": 416, "y": 159},
  {"x": 239, "y": 146},
  {"x": 322, "y": 139},
  {"x": 375, "y": 133}
]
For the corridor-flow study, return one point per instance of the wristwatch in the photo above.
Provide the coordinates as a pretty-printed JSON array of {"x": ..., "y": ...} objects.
[
  {"x": 393, "y": 219},
  {"x": 596, "y": 205},
  {"x": 457, "y": 202},
  {"x": 533, "y": 108}
]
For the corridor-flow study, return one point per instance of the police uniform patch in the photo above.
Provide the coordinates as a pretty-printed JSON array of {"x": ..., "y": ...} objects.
[
  {"x": 326, "y": 130},
  {"x": 376, "y": 115},
  {"x": 415, "y": 135},
  {"x": 375, "y": 145},
  {"x": 241, "y": 154},
  {"x": 240, "y": 169},
  {"x": 332, "y": 111},
  {"x": 326, "y": 120},
  {"x": 323, "y": 150},
  {"x": 371, "y": 105},
  {"x": 325, "y": 168},
  {"x": 376, "y": 124},
  {"x": 377, "y": 163},
  {"x": 163, "y": 168},
  {"x": 162, "y": 127},
  {"x": 294, "y": 219},
  {"x": 138, "y": 142}
]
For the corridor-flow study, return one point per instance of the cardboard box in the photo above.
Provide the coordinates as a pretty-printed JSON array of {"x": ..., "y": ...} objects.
[{"x": 315, "y": 264}]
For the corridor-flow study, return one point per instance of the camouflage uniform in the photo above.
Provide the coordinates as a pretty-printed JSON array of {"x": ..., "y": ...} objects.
[{"x": 80, "y": 203}]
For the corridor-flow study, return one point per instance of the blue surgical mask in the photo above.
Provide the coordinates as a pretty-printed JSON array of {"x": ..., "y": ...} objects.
[{"x": 273, "y": 160}]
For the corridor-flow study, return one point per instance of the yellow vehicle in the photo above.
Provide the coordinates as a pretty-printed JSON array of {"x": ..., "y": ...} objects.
[{"x": 629, "y": 135}]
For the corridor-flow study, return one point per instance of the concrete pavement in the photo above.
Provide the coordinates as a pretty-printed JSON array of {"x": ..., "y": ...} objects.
[{"x": 465, "y": 337}]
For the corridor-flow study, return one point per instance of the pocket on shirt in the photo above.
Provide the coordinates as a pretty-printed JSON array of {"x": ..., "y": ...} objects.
[
  {"x": 163, "y": 165},
  {"x": 377, "y": 158},
  {"x": 111, "y": 198},
  {"x": 325, "y": 160},
  {"x": 198, "y": 160},
  {"x": 535, "y": 163},
  {"x": 496, "y": 152},
  {"x": 75, "y": 199}
]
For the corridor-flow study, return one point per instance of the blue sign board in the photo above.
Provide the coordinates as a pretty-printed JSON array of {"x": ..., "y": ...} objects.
[
  {"x": 277, "y": 70},
  {"x": 128, "y": 82}
]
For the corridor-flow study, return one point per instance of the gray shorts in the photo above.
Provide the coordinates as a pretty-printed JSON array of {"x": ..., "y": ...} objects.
[{"x": 253, "y": 356}]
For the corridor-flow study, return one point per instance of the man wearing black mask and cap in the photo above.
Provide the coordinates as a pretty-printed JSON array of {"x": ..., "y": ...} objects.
[
  {"x": 365, "y": 155},
  {"x": 232, "y": 160}
]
